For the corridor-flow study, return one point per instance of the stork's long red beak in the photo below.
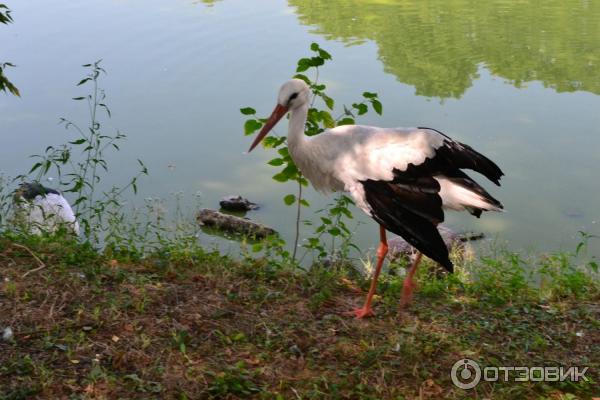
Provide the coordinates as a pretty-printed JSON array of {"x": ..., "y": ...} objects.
[{"x": 276, "y": 115}]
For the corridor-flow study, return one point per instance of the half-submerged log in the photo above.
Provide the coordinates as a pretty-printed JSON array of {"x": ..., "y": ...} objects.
[{"x": 233, "y": 224}]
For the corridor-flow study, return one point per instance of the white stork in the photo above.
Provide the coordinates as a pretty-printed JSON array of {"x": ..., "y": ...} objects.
[
  {"x": 401, "y": 177},
  {"x": 42, "y": 209}
]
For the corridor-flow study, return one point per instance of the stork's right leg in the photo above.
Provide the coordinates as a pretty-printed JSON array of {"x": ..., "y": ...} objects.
[
  {"x": 366, "y": 310},
  {"x": 409, "y": 284}
]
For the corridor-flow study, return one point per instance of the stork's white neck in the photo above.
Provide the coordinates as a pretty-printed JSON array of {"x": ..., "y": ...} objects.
[{"x": 296, "y": 138}]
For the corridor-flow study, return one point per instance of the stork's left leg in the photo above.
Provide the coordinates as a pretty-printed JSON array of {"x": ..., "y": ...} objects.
[
  {"x": 366, "y": 310},
  {"x": 409, "y": 284}
]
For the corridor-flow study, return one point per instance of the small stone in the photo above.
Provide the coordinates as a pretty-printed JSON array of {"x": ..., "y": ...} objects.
[
  {"x": 295, "y": 350},
  {"x": 7, "y": 334},
  {"x": 87, "y": 328}
]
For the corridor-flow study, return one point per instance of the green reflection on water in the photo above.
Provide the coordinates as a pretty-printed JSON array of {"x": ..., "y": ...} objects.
[{"x": 436, "y": 46}]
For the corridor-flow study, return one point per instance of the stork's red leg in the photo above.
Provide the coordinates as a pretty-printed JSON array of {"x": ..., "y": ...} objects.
[
  {"x": 366, "y": 310},
  {"x": 409, "y": 283}
]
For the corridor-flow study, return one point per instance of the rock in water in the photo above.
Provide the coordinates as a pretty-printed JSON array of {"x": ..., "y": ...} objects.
[
  {"x": 236, "y": 203},
  {"x": 232, "y": 224},
  {"x": 455, "y": 242}
]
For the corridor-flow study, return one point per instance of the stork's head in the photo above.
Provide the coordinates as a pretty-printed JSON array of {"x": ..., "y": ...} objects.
[
  {"x": 293, "y": 94},
  {"x": 30, "y": 190}
]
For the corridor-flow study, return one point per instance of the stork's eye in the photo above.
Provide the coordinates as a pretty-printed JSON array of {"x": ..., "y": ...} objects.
[{"x": 293, "y": 96}]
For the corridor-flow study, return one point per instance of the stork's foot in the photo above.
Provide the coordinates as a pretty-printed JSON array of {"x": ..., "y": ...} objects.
[
  {"x": 360, "y": 313},
  {"x": 407, "y": 293}
]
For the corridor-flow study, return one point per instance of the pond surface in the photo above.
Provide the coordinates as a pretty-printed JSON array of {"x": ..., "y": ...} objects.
[{"x": 518, "y": 81}]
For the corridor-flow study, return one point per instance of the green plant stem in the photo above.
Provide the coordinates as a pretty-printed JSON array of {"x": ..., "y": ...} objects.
[
  {"x": 297, "y": 237},
  {"x": 96, "y": 145}
]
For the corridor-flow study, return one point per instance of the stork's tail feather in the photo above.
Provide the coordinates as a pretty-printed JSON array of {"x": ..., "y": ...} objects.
[
  {"x": 460, "y": 192},
  {"x": 418, "y": 230}
]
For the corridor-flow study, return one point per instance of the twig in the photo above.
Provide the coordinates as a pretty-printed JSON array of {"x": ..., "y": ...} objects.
[{"x": 42, "y": 265}]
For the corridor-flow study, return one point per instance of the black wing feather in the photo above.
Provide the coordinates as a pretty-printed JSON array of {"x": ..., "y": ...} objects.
[
  {"x": 412, "y": 214},
  {"x": 453, "y": 156}
]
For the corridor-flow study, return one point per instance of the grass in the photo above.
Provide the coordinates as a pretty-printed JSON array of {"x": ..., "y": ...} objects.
[{"x": 184, "y": 323}]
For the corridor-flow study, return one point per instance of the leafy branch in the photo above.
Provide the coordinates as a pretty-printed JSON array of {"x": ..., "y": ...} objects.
[
  {"x": 318, "y": 120},
  {"x": 84, "y": 159},
  {"x": 5, "y": 84}
]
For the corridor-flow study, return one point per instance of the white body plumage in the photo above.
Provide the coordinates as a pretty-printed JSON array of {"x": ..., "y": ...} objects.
[
  {"x": 342, "y": 157},
  {"x": 42, "y": 210}
]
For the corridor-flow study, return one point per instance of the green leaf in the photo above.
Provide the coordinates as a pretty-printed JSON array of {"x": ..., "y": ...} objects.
[
  {"x": 328, "y": 101},
  {"x": 361, "y": 107},
  {"x": 326, "y": 220},
  {"x": 257, "y": 247},
  {"x": 346, "y": 121},
  {"x": 377, "y": 106},
  {"x": 313, "y": 242},
  {"x": 248, "y": 111},
  {"x": 317, "y": 61},
  {"x": 281, "y": 177},
  {"x": 303, "y": 77},
  {"x": 276, "y": 162},
  {"x": 272, "y": 141},
  {"x": 303, "y": 64},
  {"x": 327, "y": 119},
  {"x": 35, "y": 166},
  {"x": 251, "y": 126},
  {"x": 324, "y": 55},
  {"x": 291, "y": 170},
  {"x": 78, "y": 98},
  {"x": 314, "y": 46},
  {"x": 304, "y": 203},
  {"x": 334, "y": 231},
  {"x": 81, "y": 82},
  {"x": 370, "y": 95},
  {"x": 289, "y": 199},
  {"x": 78, "y": 141},
  {"x": 579, "y": 247}
]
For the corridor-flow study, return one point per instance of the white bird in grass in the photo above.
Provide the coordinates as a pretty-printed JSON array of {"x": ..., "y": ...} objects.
[
  {"x": 401, "y": 177},
  {"x": 43, "y": 210}
]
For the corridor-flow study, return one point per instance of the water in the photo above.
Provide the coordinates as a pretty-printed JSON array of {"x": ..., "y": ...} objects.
[{"x": 518, "y": 81}]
